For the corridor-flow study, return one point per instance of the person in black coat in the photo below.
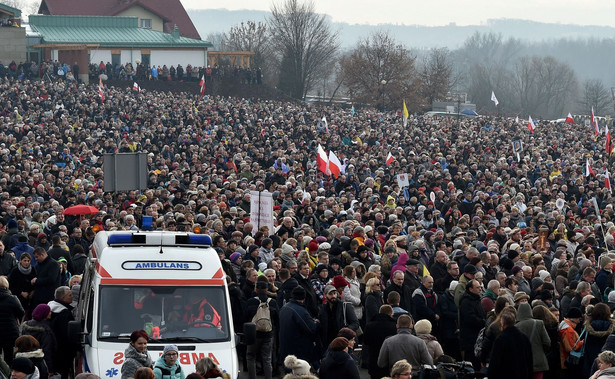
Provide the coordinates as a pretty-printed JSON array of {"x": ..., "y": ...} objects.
[
  {"x": 264, "y": 340},
  {"x": 20, "y": 281},
  {"x": 61, "y": 315},
  {"x": 405, "y": 294},
  {"x": 376, "y": 331},
  {"x": 57, "y": 251},
  {"x": 298, "y": 329},
  {"x": 449, "y": 322},
  {"x": 338, "y": 363},
  {"x": 47, "y": 278},
  {"x": 40, "y": 329},
  {"x": 11, "y": 313},
  {"x": 373, "y": 299},
  {"x": 335, "y": 315},
  {"x": 303, "y": 279},
  {"x": 511, "y": 343},
  {"x": 471, "y": 321}
]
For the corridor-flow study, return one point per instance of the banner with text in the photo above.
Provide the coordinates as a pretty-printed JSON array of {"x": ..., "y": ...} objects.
[{"x": 261, "y": 210}]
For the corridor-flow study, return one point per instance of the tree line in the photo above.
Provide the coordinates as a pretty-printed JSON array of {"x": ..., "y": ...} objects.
[{"x": 299, "y": 53}]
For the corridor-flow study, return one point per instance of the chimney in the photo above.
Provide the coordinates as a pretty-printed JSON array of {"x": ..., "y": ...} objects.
[{"x": 175, "y": 33}]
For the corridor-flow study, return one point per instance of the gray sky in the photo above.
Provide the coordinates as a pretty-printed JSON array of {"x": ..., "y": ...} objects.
[{"x": 443, "y": 12}]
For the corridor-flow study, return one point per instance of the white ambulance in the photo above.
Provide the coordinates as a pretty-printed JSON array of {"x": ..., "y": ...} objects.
[{"x": 169, "y": 284}]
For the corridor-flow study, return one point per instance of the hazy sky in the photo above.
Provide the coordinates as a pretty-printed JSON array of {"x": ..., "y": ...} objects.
[{"x": 443, "y": 12}]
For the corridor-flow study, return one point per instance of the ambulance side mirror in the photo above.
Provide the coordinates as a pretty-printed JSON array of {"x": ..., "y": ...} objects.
[
  {"x": 249, "y": 333},
  {"x": 74, "y": 332}
]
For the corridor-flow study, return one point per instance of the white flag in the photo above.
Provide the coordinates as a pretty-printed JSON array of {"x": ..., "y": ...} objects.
[{"x": 494, "y": 99}]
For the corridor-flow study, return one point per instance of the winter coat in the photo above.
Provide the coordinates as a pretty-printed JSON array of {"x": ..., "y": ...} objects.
[
  {"x": 37, "y": 358},
  {"x": 134, "y": 361},
  {"x": 338, "y": 364},
  {"x": 376, "y": 331},
  {"x": 7, "y": 263},
  {"x": 537, "y": 333},
  {"x": 608, "y": 373},
  {"x": 298, "y": 331},
  {"x": 597, "y": 333},
  {"x": 404, "y": 292},
  {"x": 604, "y": 279},
  {"x": 338, "y": 318},
  {"x": 471, "y": 320},
  {"x": 449, "y": 317},
  {"x": 47, "y": 280},
  {"x": 568, "y": 337},
  {"x": 164, "y": 371},
  {"x": 61, "y": 315},
  {"x": 352, "y": 294},
  {"x": 19, "y": 282},
  {"x": 41, "y": 330},
  {"x": 373, "y": 302},
  {"x": 425, "y": 303},
  {"x": 404, "y": 345},
  {"x": 11, "y": 313},
  {"x": 433, "y": 346},
  {"x": 511, "y": 343}
]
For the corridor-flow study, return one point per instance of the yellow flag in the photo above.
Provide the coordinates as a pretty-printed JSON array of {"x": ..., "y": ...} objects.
[
  {"x": 425, "y": 271},
  {"x": 405, "y": 114}
]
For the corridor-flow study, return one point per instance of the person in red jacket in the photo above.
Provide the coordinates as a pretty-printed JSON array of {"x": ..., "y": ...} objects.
[{"x": 568, "y": 337}]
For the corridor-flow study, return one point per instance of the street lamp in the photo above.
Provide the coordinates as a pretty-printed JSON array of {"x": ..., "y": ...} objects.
[{"x": 383, "y": 83}]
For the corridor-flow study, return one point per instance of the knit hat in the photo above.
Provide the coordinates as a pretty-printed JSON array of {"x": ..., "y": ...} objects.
[
  {"x": 543, "y": 274},
  {"x": 339, "y": 281},
  {"x": 298, "y": 293},
  {"x": 338, "y": 344},
  {"x": 516, "y": 270},
  {"x": 235, "y": 256},
  {"x": 319, "y": 267},
  {"x": 514, "y": 246},
  {"x": 470, "y": 269},
  {"x": 168, "y": 348},
  {"x": 512, "y": 254},
  {"x": 40, "y": 312},
  {"x": 422, "y": 327},
  {"x": 12, "y": 224},
  {"x": 313, "y": 246},
  {"x": 612, "y": 297},
  {"x": 287, "y": 249},
  {"x": 536, "y": 282},
  {"x": 574, "y": 313},
  {"x": 298, "y": 366},
  {"x": 41, "y": 236},
  {"x": 324, "y": 246},
  {"x": 22, "y": 364}
]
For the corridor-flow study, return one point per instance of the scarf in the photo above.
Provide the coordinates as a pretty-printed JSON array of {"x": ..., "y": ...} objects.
[{"x": 23, "y": 270}]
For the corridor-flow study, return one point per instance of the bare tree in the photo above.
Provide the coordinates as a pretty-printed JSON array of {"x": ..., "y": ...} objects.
[
  {"x": 250, "y": 36},
  {"x": 436, "y": 75},
  {"x": 304, "y": 43},
  {"x": 27, "y": 7},
  {"x": 595, "y": 95},
  {"x": 381, "y": 72},
  {"x": 219, "y": 40}
]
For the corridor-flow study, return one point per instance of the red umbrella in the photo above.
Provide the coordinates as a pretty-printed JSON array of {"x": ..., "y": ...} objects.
[{"x": 80, "y": 209}]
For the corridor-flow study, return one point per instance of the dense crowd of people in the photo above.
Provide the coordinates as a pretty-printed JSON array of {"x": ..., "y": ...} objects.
[{"x": 495, "y": 257}]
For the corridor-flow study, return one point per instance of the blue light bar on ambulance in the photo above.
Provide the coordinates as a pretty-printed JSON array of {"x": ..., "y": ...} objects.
[
  {"x": 193, "y": 239},
  {"x": 126, "y": 239}
]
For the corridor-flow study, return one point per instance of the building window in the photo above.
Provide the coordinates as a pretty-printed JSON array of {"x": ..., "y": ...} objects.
[
  {"x": 146, "y": 23},
  {"x": 116, "y": 59}
]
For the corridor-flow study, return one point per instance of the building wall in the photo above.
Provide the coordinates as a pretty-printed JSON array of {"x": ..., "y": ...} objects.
[
  {"x": 141, "y": 12},
  {"x": 12, "y": 45},
  {"x": 196, "y": 58}
]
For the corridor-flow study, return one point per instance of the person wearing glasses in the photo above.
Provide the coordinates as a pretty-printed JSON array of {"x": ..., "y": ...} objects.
[
  {"x": 167, "y": 366},
  {"x": 401, "y": 369}
]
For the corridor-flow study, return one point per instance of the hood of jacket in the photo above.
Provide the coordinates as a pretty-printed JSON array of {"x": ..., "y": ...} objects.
[
  {"x": 524, "y": 312},
  {"x": 599, "y": 328},
  {"x": 38, "y": 353},
  {"x": 403, "y": 258},
  {"x": 32, "y": 326},
  {"x": 426, "y": 337},
  {"x": 337, "y": 358},
  {"x": 57, "y": 307}
]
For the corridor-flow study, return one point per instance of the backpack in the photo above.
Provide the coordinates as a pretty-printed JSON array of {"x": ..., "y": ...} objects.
[
  {"x": 262, "y": 318},
  {"x": 478, "y": 345}
]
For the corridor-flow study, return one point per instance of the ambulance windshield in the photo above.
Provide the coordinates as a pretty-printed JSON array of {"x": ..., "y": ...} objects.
[{"x": 190, "y": 314}]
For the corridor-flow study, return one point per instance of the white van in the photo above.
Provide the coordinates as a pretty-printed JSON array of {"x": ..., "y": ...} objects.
[{"x": 170, "y": 284}]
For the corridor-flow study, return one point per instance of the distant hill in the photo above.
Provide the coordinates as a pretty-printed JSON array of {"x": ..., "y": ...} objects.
[{"x": 415, "y": 36}]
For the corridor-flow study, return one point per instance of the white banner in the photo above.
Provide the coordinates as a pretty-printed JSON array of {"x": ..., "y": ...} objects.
[
  {"x": 261, "y": 210},
  {"x": 403, "y": 180}
]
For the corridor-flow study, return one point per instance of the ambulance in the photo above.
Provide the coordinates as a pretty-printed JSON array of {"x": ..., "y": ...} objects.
[{"x": 169, "y": 284}]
